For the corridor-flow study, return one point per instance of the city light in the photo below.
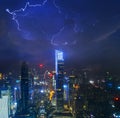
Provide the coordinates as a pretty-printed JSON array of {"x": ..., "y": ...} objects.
[
  {"x": 41, "y": 65},
  {"x": 51, "y": 95},
  {"x": 110, "y": 85},
  {"x": 15, "y": 88},
  {"x": 50, "y": 74},
  {"x": 91, "y": 82},
  {"x": 0, "y": 75},
  {"x": 15, "y": 103},
  {"x": 116, "y": 98},
  {"x": 118, "y": 87},
  {"x": 42, "y": 91},
  {"x": 113, "y": 106},
  {"x": 116, "y": 115},
  {"x": 64, "y": 86}
]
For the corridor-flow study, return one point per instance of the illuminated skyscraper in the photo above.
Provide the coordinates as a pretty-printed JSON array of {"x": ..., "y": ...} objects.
[
  {"x": 59, "y": 65},
  {"x": 24, "y": 87}
]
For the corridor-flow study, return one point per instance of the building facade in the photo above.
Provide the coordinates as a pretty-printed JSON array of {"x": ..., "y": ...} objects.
[
  {"x": 59, "y": 65},
  {"x": 4, "y": 103},
  {"x": 24, "y": 87}
]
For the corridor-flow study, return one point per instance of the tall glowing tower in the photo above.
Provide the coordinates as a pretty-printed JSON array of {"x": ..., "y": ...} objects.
[{"x": 59, "y": 66}]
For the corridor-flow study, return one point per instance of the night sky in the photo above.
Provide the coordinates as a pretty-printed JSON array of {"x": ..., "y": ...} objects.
[{"x": 88, "y": 32}]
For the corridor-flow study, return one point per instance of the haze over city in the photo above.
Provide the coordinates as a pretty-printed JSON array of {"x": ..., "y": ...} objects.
[{"x": 59, "y": 59}]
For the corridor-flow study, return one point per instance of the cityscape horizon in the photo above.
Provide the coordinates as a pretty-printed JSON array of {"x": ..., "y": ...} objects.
[{"x": 59, "y": 58}]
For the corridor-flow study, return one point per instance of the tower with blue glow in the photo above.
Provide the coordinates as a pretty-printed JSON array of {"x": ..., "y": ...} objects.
[{"x": 59, "y": 67}]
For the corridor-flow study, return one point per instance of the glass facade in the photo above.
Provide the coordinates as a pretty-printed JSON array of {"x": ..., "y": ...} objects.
[{"x": 59, "y": 80}]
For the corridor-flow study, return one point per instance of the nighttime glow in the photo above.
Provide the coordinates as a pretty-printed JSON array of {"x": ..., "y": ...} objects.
[
  {"x": 41, "y": 65},
  {"x": 60, "y": 58},
  {"x": 42, "y": 91},
  {"x": 50, "y": 75},
  {"x": 64, "y": 86},
  {"x": 15, "y": 88},
  {"x": 116, "y": 98},
  {"x": 118, "y": 87},
  {"x": 0, "y": 75},
  {"x": 91, "y": 82},
  {"x": 116, "y": 115},
  {"x": 64, "y": 28},
  {"x": 59, "y": 55}
]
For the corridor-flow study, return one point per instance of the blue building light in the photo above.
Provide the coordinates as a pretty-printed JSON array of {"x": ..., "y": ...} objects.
[
  {"x": 116, "y": 115},
  {"x": 17, "y": 81},
  {"x": 118, "y": 87},
  {"x": 59, "y": 55},
  {"x": 15, "y": 103},
  {"x": 42, "y": 91},
  {"x": 64, "y": 86},
  {"x": 110, "y": 85},
  {"x": 15, "y": 88}
]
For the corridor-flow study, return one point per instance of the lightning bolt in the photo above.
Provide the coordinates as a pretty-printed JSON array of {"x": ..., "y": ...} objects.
[
  {"x": 53, "y": 42},
  {"x": 54, "y": 2},
  {"x": 53, "y": 37},
  {"x": 14, "y": 13},
  {"x": 28, "y": 5}
]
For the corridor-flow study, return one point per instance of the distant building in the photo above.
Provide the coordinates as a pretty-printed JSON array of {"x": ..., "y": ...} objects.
[
  {"x": 4, "y": 103},
  {"x": 59, "y": 65},
  {"x": 31, "y": 87},
  {"x": 23, "y": 110},
  {"x": 24, "y": 87},
  {"x": 66, "y": 93},
  {"x": 71, "y": 89}
]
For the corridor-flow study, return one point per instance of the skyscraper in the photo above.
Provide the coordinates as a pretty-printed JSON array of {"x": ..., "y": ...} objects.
[
  {"x": 4, "y": 103},
  {"x": 59, "y": 65},
  {"x": 24, "y": 87},
  {"x": 24, "y": 109}
]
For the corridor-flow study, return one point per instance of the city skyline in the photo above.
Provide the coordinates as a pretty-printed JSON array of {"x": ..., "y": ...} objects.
[{"x": 86, "y": 31}]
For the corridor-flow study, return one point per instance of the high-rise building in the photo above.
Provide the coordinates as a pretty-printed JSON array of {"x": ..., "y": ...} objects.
[
  {"x": 4, "y": 103},
  {"x": 24, "y": 109},
  {"x": 66, "y": 93},
  {"x": 59, "y": 65},
  {"x": 24, "y": 87}
]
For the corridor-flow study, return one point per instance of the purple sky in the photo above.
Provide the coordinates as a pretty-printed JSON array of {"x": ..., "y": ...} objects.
[{"x": 88, "y": 32}]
